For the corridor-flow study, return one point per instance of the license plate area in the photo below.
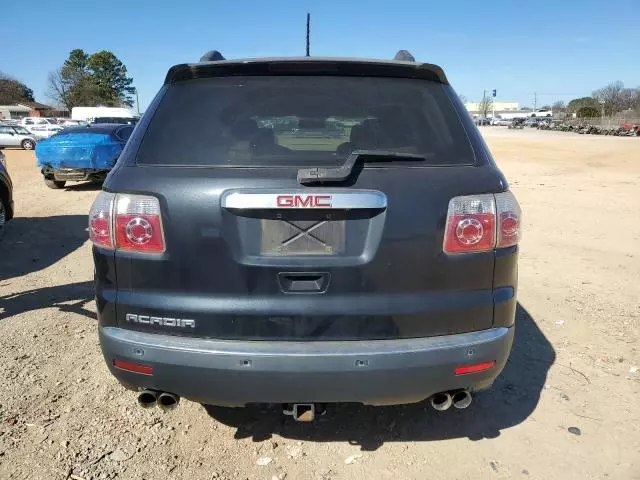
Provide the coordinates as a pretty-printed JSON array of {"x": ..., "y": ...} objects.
[
  {"x": 287, "y": 238},
  {"x": 294, "y": 233}
]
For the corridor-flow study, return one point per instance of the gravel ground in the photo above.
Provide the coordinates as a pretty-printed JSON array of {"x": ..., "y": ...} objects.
[{"x": 566, "y": 407}]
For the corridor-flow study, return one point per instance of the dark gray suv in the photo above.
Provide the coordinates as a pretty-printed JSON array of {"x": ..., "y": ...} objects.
[{"x": 319, "y": 230}]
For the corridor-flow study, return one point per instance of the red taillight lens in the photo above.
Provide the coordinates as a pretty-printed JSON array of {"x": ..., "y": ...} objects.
[
  {"x": 138, "y": 225},
  {"x": 133, "y": 367},
  {"x": 478, "y": 367},
  {"x": 471, "y": 224},
  {"x": 127, "y": 222},
  {"x": 100, "y": 217},
  {"x": 479, "y": 223},
  {"x": 509, "y": 216}
]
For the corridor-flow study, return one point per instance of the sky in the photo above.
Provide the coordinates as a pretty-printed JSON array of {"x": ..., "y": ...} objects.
[{"x": 558, "y": 49}]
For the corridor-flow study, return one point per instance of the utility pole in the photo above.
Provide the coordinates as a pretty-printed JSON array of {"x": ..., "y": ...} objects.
[
  {"x": 137, "y": 102},
  {"x": 308, "y": 31},
  {"x": 535, "y": 101},
  {"x": 484, "y": 104},
  {"x": 493, "y": 103}
]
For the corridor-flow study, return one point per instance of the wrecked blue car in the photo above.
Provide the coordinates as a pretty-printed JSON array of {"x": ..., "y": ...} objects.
[{"x": 81, "y": 153}]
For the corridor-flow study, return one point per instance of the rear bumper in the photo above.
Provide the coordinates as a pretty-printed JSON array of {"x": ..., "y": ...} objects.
[{"x": 377, "y": 372}]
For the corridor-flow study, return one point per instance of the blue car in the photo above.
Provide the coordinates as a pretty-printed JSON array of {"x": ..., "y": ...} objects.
[{"x": 81, "y": 153}]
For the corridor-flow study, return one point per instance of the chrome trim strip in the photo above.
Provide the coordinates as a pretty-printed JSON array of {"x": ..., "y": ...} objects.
[{"x": 303, "y": 199}]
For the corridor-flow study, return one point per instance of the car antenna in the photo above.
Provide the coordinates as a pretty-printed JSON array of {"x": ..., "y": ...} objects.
[
  {"x": 212, "y": 56},
  {"x": 308, "y": 32},
  {"x": 404, "y": 56}
]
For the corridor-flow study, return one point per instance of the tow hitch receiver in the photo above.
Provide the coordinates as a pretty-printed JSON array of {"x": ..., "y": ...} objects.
[{"x": 302, "y": 412}]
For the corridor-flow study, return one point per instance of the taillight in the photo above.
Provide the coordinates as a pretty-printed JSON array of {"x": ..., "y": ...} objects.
[
  {"x": 127, "y": 222},
  {"x": 479, "y": 223},
  {"x": 471, "y": 224},
  {"x": 100, "y": 220},
  {"x": 138, "y": 225},
  {"x": 509, "y": 216}
]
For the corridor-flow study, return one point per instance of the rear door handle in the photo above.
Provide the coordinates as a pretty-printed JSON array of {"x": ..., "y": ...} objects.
[{"x": 303, "y": 282}]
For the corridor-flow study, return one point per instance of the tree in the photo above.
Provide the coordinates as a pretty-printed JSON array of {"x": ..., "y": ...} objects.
[
  {"x": 13, "y": 91},
  {"x": 612, "y": 97},
  {"x": 559, "y": 106},
  {"x": 577, "y": 103},
  {"x": 110, "y": 77},
  {"x": 91, "y": 80},
  {"x": 588, "y": 112},
  {"x": 463, "y": 99},
  {"x": 484, "y": 106}
]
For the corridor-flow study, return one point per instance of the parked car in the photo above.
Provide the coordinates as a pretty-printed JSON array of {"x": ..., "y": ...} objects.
[
  {"x": 234, "y": 265},
  {"x": 6, "y": 195},
  {"x": 41, "y": 126},
  {"x": 17, "y": 136},
  {"x": 501, "y": 122},
  {"x": 482, "y": 121},
  {"x": 542, "y": 113},
  {"x": 81, "y": 153}
]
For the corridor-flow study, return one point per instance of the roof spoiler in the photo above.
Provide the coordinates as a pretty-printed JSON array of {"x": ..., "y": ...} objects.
[{"x": 212, "y": 56}]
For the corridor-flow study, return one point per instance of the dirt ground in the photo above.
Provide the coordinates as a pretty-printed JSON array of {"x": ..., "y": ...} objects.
[{"x": 566, "y": 406}]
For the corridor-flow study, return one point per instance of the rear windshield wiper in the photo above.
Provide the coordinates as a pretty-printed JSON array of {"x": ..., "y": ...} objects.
[{"x": 338, "y": 174}]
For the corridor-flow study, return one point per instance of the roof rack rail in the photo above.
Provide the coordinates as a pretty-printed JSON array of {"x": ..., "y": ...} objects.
[
  {"x": 212, "y": 56},
  {"x": 404, "y": 56}
]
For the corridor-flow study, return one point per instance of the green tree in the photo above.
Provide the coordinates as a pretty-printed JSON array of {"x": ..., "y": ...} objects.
[
  {"x": 91, "y": 80},
  {"x": 588, "y": 112},
  {"x": 577, "y": 103},
  {"x": 13, "y": 91},
  {"x": 109, "y": 75}
]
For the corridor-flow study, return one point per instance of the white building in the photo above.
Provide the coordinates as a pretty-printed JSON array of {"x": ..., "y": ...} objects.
[{"x": 473, "y": 107}]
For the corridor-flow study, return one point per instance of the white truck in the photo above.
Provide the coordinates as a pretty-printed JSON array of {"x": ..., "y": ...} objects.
[
  {"x": 40, "y": 127},
  {"x": 90, "y": 114}
]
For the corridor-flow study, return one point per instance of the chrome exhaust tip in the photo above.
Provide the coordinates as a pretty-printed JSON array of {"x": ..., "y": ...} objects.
[
  {"x": 147, "y": 398},
  {"x": 462, "y": 399},
  {"x": 441, "y": 401},
  {"x": 168, "y": 401}
]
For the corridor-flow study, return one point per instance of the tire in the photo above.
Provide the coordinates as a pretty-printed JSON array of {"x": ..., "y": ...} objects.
[
  {"x": 55, "y": 184},
  {"x": 28, "y": 144}
]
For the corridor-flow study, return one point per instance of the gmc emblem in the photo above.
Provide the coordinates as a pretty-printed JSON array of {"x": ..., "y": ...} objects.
[{"x": 304, "y": 201}]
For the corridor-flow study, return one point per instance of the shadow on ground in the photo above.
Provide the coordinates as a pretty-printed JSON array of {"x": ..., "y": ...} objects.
[
  {"x": 31, "y": 244},
  {"x": 512, "y": 399},
  {"x": 83, "y": 186}
]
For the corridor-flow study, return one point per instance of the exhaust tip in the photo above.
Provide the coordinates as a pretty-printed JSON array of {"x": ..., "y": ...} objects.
[
  {"x": 147, "y": 399},
  {"x": 168, "y": 401},
  {"x": 441, "y": 401},
  {"x": 462, "y": 399}
]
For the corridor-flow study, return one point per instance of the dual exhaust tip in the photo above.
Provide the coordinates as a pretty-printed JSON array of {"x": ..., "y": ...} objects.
[
  {"x": 445, "y": 400},
  {"x": 163, "y": 400},
  {"x": 304, "y": 412}
]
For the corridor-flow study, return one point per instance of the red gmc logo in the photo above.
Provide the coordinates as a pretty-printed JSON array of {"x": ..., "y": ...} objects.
[{"x": 304, "y": 201}]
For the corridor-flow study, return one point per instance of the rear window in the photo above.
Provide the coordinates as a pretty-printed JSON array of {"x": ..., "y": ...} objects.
[{"x": 301, "y": 121}]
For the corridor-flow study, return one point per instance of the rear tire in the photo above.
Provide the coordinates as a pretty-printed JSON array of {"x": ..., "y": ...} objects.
[
  {"x": 55, "y": 184},
  {"x": 28, "y": 144}
]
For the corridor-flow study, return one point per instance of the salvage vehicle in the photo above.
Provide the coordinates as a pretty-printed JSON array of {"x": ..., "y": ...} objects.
[
  {"x": 81, "y": 153},
  {"x": 6, "y": 194},
  {"x": 238, "y": 264}
]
